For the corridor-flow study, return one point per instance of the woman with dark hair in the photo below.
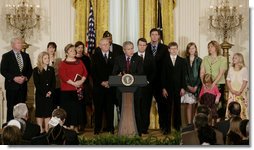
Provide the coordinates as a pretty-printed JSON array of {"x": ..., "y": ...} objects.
[
  {"x": 54, "y": 62},
  {"x": 193, "y": 81},
  {"x": 216, "y": 65},
  {"x": 79, "y": 46},
  {"x": 72, "y": 74}
]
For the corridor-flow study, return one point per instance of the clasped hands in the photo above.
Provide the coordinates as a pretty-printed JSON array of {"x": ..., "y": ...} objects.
[{"x": 20, "y": 79}]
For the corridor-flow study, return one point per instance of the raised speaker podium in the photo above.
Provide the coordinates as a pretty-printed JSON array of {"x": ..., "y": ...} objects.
[{"x": 127, "y": 84}]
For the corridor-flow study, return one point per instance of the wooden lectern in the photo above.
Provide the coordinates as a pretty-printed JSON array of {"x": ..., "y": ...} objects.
[{"x": 127, "y": 84}]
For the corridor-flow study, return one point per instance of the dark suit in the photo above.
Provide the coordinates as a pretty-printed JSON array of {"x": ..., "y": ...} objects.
[
  {"x": 162, "y": 51},
  {"x": 103, "y": 97},
  {"x": 223, "y": 126},
  {"x": 173, "y": 80},
  {"x": 136, "y": 68},
  {"x": 10, "y": 69},
  {"x": 136, "y": 65},
  {"x": 32, "y": 130},
  {"x": 117, "y": 50},
  {"x": 146, "y": 92},
  {"x": 71, "y": 138}
]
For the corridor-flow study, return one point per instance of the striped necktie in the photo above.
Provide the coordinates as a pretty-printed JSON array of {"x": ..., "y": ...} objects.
[
  {"x": 154, "y": 50},
  {"x": 19, "y": 60}
]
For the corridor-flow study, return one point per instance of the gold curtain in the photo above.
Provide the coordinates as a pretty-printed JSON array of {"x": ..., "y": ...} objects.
[
  {"x": 148, "y": 18},
  {"x": 101, "y": 16}
]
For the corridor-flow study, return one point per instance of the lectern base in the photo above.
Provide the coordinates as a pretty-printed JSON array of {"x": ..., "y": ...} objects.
[{"x": 127, "y": 125}]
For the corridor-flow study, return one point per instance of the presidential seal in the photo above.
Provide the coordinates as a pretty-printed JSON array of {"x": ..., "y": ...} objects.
[{"x": 127, "y": 79}]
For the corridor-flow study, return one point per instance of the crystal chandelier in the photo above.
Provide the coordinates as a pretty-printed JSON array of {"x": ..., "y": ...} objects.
[
  {"x": 23, "y": 18},
  {"x": 225, "y": 20}
]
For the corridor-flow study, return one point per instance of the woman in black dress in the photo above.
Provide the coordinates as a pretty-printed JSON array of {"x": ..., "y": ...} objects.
[{"x": 45, "y": 82}]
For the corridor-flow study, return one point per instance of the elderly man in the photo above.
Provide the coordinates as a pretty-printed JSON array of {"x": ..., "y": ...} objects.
[
  {"x": 17, "y": 69},
  {"x": 20, "y": 112}
]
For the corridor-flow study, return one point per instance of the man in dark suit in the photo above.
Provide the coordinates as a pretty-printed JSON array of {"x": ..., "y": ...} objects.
[
  {"x": 116, "y": 50},
  {"x": 146, "y": 92},
  {"x": 131, "y": 64},
  {"x": 102, "y": 67},
  {"x": 17, "y": 69},
  {"x": 158, "y": 51},
  {"x": 173, "y": 85},
  {"x": 20, "y": 112}
]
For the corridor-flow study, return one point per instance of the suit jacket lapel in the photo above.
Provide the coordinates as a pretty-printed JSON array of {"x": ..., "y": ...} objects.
[{"x": 14, "y": 59}]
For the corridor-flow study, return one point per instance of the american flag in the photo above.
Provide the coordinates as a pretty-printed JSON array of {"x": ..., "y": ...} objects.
[{"x": 91, "y": 35}]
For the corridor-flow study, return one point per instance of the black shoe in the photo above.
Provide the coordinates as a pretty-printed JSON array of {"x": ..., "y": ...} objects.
[
  {"x": 111, "y": 132},
  {"x": 166, "y": 132},
  {"x": 145, "y": 132},
  {"x": 96, "y": 133}
]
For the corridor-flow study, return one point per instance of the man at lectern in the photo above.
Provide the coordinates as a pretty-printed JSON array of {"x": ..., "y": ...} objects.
[{"x": 131, "y": 64}]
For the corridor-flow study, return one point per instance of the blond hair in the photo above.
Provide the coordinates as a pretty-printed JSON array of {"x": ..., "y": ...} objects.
[
  {"x": 207, "y": 78},
  {"x": 241, "y": 59},
  {"x": 40, "y": 60}
]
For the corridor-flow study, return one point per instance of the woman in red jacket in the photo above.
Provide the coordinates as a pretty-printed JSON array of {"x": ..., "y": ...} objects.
[{"x": 72, "y": 74}]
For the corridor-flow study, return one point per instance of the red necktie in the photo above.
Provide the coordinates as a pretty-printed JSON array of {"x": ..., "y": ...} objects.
[{"x": 128, "y": 64}]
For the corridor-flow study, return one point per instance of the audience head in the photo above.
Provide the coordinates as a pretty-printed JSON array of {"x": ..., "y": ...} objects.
[
  {"x": 142, "y": 44},
  {"x": 173, "y": 48},
  {"x": 200, "y": 120},
  {"x": 203, "y": 109},
  {"x": 59, "y": 113},
  {"x": 104, "y": 45},
  {"x": 234, "y": 109},
  {"x": 51, "y": 48},
  {"x": 207, "y": 135},
  {"x": 214, "y": 48},
  {"x": 20, "y": 111},
  {"x": 79, "y": 46},
  {"x": 244, "y": 127},
  {"x": 238, "y": 59},
  {"x": 19, "y": 123},
  {"x": 128, "y": 48},
  {"x": 70, "y": 51},
  {"x": 108, "y": 36},
  {"x": 17, "y": 43},
  {"x": 155, "y": 35},
  {"x": 191, "y": 49},
  {"x": 11, "y": 135}
]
